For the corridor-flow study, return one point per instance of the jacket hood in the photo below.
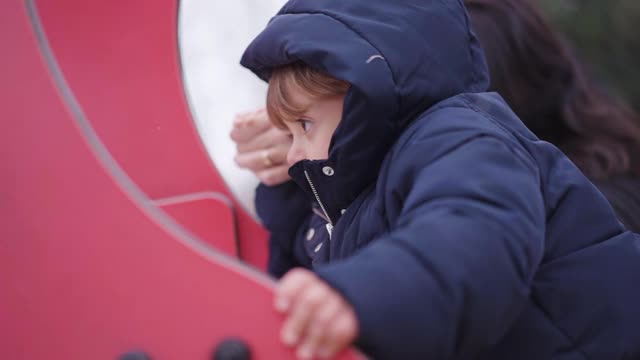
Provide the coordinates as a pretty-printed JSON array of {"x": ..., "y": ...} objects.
[{"x": 400, "y": 57}]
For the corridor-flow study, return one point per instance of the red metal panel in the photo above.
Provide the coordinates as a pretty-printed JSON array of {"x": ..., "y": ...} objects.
[
  {"x": 122, "y": 62},
  {"x": 205, "y": 214},
  {"x": 89, "y": 267}
]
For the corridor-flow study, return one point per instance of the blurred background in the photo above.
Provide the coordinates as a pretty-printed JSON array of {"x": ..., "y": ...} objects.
[
  {"x": 605, "y": 34},
  {"x": 212, "y": 37}
]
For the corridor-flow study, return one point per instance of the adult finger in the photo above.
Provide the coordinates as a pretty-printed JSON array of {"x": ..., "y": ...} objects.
[
  {"x": 250, "y": 117},
  {"x": 266, "y": 139},
  {"x": 241, "y": 134},
  {"x": 274, "y": 176},
  {"x": 247, "y": 126},
  {"x": 278, "y": 153},
  {"x": 255, "y": 160},
  {"x": 263, "y": 159}
]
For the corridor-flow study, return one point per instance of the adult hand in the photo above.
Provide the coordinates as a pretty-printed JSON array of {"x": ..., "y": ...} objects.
[
  {"x": 319, "y": 322},
  {"x": 261, "y": 147}
]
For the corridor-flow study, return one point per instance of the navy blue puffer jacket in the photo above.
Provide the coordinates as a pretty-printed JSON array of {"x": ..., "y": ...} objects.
[{"x": 455, "y": 232}]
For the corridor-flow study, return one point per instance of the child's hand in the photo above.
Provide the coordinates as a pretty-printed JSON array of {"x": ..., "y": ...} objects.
[{"x": 319, "y": 322}]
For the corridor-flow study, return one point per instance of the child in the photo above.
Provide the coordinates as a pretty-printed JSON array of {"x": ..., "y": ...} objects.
[{"x": 452, "y": 232}]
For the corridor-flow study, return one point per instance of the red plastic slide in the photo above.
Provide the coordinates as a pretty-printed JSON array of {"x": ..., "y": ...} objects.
[{"x": 117, "y": 235}]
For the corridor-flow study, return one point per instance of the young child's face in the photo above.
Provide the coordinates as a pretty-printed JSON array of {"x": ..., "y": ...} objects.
[{"x": 312, "y": 132}]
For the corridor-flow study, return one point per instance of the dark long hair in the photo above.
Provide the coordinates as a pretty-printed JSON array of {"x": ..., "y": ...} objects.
[{"x": 538, "y": 75}]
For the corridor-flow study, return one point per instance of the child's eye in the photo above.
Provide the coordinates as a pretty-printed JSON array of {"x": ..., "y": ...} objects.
[{"x": 305, "y": 124}]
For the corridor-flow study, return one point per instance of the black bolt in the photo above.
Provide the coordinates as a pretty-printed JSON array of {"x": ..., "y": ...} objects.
[
  {"x": 134, "y": 355},
  {"x": 232, "y": 349}
]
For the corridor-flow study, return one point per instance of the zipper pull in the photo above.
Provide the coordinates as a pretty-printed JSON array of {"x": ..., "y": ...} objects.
[{"x": 329, "y": 229}]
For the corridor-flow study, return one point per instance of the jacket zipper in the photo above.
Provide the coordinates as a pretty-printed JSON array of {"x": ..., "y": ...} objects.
[{"x": 329, "y": 225}]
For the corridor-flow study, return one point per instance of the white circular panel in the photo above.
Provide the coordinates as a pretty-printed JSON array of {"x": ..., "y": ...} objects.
[{"x": 212, "y": 37}]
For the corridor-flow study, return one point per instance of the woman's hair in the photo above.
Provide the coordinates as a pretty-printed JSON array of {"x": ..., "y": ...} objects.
[
  {"x": 538, "y": 75},
  {"x": 298, "y": 77}
]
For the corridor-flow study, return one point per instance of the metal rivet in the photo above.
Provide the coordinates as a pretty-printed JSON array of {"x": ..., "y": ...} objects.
[
  {"x": 328, "y": 170},
  {"x": 232, "y": 349},
  {"x": 343, "y": 211},
  {"x": 310, "y": 234},
  {"x": 134, "y": 355},
  {"x": 318, "y": 247}
]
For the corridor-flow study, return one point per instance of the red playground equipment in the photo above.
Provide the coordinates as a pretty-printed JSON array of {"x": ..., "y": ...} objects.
[{"x": 118, "y": 238}]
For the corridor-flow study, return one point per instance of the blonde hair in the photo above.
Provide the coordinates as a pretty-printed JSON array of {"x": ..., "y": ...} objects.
[{"x": 298, "y": 77}]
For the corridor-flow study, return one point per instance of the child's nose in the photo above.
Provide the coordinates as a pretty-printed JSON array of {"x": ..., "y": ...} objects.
[{"x": 294, "y": 155}]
